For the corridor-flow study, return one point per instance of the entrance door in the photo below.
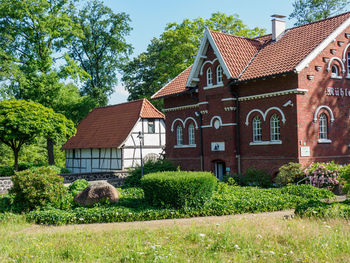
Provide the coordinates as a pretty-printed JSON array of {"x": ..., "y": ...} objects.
[{"x": 219, "y": 170}]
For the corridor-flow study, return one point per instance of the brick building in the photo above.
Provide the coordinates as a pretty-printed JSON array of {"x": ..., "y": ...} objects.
[{"x": 262, "y": 102}]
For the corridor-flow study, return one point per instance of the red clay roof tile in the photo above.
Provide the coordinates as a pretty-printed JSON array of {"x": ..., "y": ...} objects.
[{"x": 108, "y": 127}]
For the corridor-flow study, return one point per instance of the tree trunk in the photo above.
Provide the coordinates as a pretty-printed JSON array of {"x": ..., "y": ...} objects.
[
  {"x": 15, "y": 153},
  {"x": 50, "y": 154}
]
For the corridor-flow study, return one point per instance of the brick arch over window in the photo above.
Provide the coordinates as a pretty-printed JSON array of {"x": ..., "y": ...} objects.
[
  {"x": 326, "y": 108},
  {"x": 264, "y": 114},
  {"x": 333, "y": 60},
  {"x": 184, "y": 122},
  {"x": 346, "y": 58}
]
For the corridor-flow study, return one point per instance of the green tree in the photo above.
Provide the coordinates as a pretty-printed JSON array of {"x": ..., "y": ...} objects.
[
  {"x": 101, "y": 48},
  {"x": 21, "y": 122},
  {"x": 307, "y": 11},
  {"x": 174, "y": 51}
]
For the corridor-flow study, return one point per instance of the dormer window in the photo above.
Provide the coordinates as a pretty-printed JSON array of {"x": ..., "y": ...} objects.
[
  {"x": 335, "y": 72},
  {"x": 209, "y": 77},
  {"x": 218, "y": 74}
]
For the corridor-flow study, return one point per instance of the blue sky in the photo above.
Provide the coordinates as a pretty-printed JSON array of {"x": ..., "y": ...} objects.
[{"x": 149, "y": 18}]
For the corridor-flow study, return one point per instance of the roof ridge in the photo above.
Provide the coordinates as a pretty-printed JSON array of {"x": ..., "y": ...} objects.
[
  {"x": 232, "y": 35},
  {"x": 114, "y": 105}
]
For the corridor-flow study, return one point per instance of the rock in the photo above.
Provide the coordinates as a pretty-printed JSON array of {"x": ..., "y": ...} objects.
[{"x": 96, "y": 192}]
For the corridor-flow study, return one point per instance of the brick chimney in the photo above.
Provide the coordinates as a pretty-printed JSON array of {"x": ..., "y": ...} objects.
[{"x": 278, "y": 26}]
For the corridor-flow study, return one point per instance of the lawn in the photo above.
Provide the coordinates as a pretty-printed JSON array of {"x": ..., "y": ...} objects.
[{"x": 255, "y": 238}]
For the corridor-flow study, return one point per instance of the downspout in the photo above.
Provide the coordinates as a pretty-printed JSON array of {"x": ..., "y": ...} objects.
[{"x": 233, "y": 89}]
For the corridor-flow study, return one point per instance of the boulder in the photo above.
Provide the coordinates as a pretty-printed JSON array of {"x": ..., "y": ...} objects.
[{"x": 96, "y": 192}]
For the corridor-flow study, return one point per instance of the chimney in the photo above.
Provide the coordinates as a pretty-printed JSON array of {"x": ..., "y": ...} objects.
[{"x": 278, "y": 26}]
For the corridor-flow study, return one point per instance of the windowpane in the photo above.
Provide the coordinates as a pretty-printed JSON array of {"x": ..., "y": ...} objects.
[
  {"x": 348, "y": 63},
  {"x": 323, "y": 126},
  {"x": 275, "y": 128},
  {"x": 209, "y": 77},
  {"x": 151, "y": 126},
  {"x": 219, "y": 74},
  {"x": 179, "y": 137},
  {"x": 191, "y": 138},
  {"x": 257, "y": 129}
]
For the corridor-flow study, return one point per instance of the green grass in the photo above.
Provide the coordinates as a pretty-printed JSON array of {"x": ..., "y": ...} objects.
[{"x": 239, "y": 239}]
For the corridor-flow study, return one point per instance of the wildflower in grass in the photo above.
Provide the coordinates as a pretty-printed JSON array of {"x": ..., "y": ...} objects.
[
  {"x": 202, "y": 235},
  {"x": 236, "y": 247}
]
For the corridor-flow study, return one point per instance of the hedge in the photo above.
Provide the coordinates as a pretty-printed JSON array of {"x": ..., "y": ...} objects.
[
  {"x": 319, "y": 209},
  {"x": 178, "y": 189}
]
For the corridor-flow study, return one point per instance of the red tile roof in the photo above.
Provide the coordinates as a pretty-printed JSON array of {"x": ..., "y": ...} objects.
[
  {"x": 108, "y": 127},
  {"x": 248, "y": 59},
  {"x": 177, "y": 85}
]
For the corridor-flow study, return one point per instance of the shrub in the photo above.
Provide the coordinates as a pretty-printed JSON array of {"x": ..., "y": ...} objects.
[
  {"x": 178, "y": 189},
  {"x": 323, "y": 175},
  {"x": 7, "y": 171},
  {"x": 316, "y": 208},
  {"x": 77, "y": 186},
  {"x": 160, "y": 165},
  {"x": 40, "y": 188},
  {"x": 345, "y": 177},
  {"x": 307, "y": 192},
  {"x": 254, "y": 177},
  {"x": 289, "y": 173}
]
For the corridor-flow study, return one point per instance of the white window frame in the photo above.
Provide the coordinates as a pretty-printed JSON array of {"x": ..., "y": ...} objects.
[
  {"x": 209, "y": 77},
  {"x": 191, "y": 135},
  {"x": 335, "y": 74},
  {"x": 275, "y": 128},
  {"x": 322, "y": 127},
  {"x": 179, "y": 135},
  {"x": 348, "y": 62},
  {"x": 150, "y": 128},
  {"x": 219, "y": 74},
  {"x": 257, "y": 132}
]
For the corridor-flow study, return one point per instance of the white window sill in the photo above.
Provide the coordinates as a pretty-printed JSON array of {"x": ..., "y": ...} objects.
[
  {"x": 214, "y": 86},
  {"x": 324, "y": 141},
  {"x": 266, "y": 143},
  {"x": 186, "y": 146},
  {"x": 337, "y": 77}
]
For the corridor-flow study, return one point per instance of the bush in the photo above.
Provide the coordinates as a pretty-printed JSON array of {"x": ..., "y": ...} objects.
[
  {"x": 40, "y": 188},
  {"x": 323, "y": 174},
  {"x": 345, "y": 177},
  {"x": 289, "y": 173},
  {"x": 77, "y": 186},
  {"x": 178, "y": 189},
  {"x": 160, "y": 165},
  {"x": 254, "y": 177},
  {"x": 7, "y": 171},
  {"x": 319, "y": 209},
  {"x": 307, "y": 192}
]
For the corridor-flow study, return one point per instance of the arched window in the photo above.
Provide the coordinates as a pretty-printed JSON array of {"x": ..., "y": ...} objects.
[
  {"x": 179, "y": 135},
  {"x": 218, "y": 74},
  {"x": 191, "y": 138},
  {"x": 348, "y": 62},
  {"x": 257, "y": 129},
  {"x": 275, "y": 128},
  {"x": 209, "y": 77},
  {"x": 322, "y": 127},
  {"x": 335, "y": 71}
]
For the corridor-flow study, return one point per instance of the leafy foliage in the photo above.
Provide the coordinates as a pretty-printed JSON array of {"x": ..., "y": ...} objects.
[
  {"x": 77, "y": 186},
  {"x": 22, "y": 121},
  {"x": 160, "y": 165},
  {"x": 307, "y": 11},
  {"x": 323, "y": 174},
  {"x": 101, "y": 48},
  {"x": 289, "y": 173},
  {"x": 321, "y": 209},
  {"x": 174, "y": 51},
  {"x": 39, "y": 189},
  {"x": 254, "y": 177},
  {"x": 226, "y": 200},
  {"x": 178, "y": 189}
]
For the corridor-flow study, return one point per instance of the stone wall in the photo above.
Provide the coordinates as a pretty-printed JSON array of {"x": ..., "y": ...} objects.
[
  {"x": 5, "y": 184},
  {"x": 115, "y": 178}
]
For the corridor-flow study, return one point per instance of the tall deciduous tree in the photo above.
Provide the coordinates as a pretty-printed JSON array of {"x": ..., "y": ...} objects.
[
  {"x": 307, "y": 11},
  {"x": 174, "y": 51},
  {"x": 22, "y": 121},
  {"x": 101, "y": 48}
]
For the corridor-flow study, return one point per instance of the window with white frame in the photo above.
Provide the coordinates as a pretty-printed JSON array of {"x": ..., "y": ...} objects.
[
  {"x": 191, "y": 138},
  {"x": 209, "y": 77},
  {"x": 348, "y": 63},
  {"x": 218, "y": 74},
  {"x": 257, "y": 129},
  {"x": 322, "y": 121},
  {"x": 335, "y": 71},
  {"x": 179, "y": 135},
  {"x": 275, "y": 128},
  {"x": 151, "y": 126}
]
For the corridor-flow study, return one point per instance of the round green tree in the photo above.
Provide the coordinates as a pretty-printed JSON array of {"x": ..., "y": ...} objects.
[{"x": 22, "y": 121}]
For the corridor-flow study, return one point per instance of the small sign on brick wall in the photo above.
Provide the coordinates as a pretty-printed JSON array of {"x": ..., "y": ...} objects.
[
  {"x": 304, "y": 151},
  {"x": 218, "y": 146}
]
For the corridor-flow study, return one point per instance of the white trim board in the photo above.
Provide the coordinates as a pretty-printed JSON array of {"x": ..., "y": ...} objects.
[{"x": 273, "y": 94}]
